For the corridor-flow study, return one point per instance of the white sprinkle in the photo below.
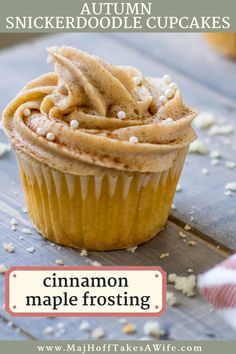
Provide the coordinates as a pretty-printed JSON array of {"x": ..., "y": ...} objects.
[
  {"x": 30, "y": 249},
  {"x": 59, "y": 262},
  {"x": 9, "y": 247},
  {"x": 25, "y": 210},
  {"x": 83, "y": 253},
  {"x": 205, "y": 171},
  {"x": 98, "y": 333},
  {"x": 221, "y": 130},
  {"x": 230, "y": 164},
  {"x": 163, "y": 99},
  {"x": 215, "y": 162},
  {"x": 26, "y": 231},
  {"x": 84, "y": 326},
  {"x": 121, "y": 115},
  {"x": 50, "y": 136},
  {"x": 215, "y": 154},
  {"x": 167, "y": 79},
  {"x": 133, "y": 139},
  {"x": 137, "y": 80},
  {"x": 74, "y": 124},
  {"x": 132, "y": 249},
  {"x": 178, "y": 188},
  {"x": 3, "y": 268},
  {"x": 13, "y": 227},
  {"x": 231, "y": 186},
  {"x": 14, "y": 221},
  {"x": 4, "y": 148},
  {"x": 228, "y": 193},
  {"x": 27, "y": 112},
  {"x": 167, "y": 121},
  {"x": 204, "y": 120},
  {"x": 152, "y": 328},
  {"x": 41, "y": 131},
  {"x": 169, "y": 93},
  {"x": 20, "y": 238},
  {"x": 173, "y": 86},
  {"x": 171, "y": 299},
  {"x": 197, "y": 147},
  {"x": 48, "y": 330}
]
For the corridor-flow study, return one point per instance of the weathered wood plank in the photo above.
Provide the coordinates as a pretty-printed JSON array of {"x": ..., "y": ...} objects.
[
  {"x": 208, "y": 192},
  {"x": 190, "y": 54},
  {"x": 10, "y": 332}
]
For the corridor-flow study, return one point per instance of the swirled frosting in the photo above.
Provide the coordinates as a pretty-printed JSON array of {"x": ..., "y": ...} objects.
[{"x": 89, "y": 114}]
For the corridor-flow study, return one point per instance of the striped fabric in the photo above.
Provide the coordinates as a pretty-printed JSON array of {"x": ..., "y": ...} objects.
[{"x": 218, "y": 287}]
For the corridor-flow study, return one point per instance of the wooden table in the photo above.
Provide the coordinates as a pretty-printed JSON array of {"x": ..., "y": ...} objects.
[{"x": 208, "y": 83}]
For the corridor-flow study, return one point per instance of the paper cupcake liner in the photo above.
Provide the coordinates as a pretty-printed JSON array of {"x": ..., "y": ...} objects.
[
  {"x": 225, "y": 43},
  {"x": 105, "y": 212}
]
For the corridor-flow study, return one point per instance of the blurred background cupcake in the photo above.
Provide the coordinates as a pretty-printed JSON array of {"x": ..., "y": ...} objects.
[{"x": 223, "y": 42}]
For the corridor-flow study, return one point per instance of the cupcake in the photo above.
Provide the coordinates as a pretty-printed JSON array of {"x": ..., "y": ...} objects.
[
  {"x": 100, "y": 149},
  {"x": 224, "y": 42}
]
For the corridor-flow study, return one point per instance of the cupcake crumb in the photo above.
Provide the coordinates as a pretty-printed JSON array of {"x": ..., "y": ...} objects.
[
  {"x": 96, "y": 264},
  {"x": 228, "y": 193},
  {"x": 83, "y": 253},
  {"x": 129, "y": 328},
  {"x": 197, "y": 147},
  {"x": 3, "y": 268},
  {"x": 4, "y": 148},
  {"x": 84, "y": 326},
  {"x": 221, "y": 129},
  {"x": 182, "y": 234},
  {"x": 48, "y": 330},
  {"x": 230, "y": 164},
  {"x": 59, "y": 262},
  {"x": 185, "y": 284},
  {"x": 31, "y": 249},
  {"x": 153, "y": 329},
  {"x": 171, "y": 298},
  {"x": 9, "y": 247},
  {"x": 26, "y": 231},
  {"x": 204, "y": 120},
  {"x": 190, "y": 270},
  {"x": 231, "y": 186},
  {"x": 187, "y": 227},
  {"x": 192, "y": 243},
  {"x": 132, "y": 249},
  {"x": 14, "y": 221},
  {"x": 164, "y": 255},
  {"x": 98, "y": 333}
]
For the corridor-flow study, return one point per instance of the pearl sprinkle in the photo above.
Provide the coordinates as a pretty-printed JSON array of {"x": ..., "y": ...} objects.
[
  {"x": 121, "y": 115},
  {"x": 50, "y": 136},
  {"x": 74, "y": 124},
  {"x": 133, "y": 139},
  {"x": 27, "y": 112}
]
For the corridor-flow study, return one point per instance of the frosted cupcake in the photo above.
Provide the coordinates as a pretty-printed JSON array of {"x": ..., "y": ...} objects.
[
  {"x": 100, "y": 149},
  {"x": 224, "y": 42}
]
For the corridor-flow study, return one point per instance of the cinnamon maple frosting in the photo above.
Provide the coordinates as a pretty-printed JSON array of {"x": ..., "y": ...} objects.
[{"x": 89, "y": 115}]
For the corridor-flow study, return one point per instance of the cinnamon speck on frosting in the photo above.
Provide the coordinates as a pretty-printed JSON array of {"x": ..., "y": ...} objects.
[
  {"x": 50, "y": 136},
  {"x": 121, "y": 115},
  {"x": 133, "y": 139},
  {"x": 74, "y": 124},
  {"x": 167, "y": 79},
  {"x": 27, "y": 112}
]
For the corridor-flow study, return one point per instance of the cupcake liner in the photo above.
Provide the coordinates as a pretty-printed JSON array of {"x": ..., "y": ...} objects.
[
  {"x": 225, "y": 43},
  {"x": 112, "y": 210}
]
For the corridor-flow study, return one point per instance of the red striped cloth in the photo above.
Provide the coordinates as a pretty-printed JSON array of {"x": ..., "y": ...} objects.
[{"x": 218, "y": 287}]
